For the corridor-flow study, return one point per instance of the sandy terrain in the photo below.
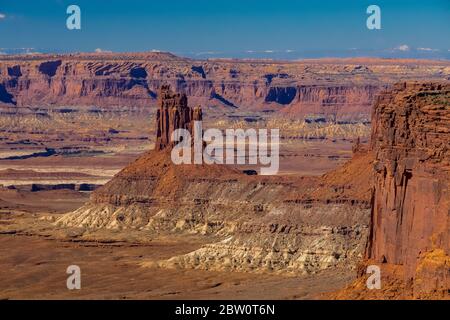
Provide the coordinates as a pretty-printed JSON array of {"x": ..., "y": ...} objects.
[
  {"x": 35, "y": 268},
  {"x": 35, "y": 258}
]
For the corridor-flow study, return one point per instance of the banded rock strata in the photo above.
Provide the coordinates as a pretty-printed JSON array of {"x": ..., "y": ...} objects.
[{"x": 342, "y": 88}]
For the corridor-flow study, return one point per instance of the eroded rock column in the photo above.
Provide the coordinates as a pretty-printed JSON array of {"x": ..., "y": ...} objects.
[{"x": 173, "y": 113}]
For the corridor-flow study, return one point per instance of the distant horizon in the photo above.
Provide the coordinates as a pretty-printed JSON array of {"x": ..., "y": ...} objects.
[{"x": 22, "y": 52}]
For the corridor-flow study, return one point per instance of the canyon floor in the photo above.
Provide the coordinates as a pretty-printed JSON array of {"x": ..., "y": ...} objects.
[{"x": 34, "y": 268}]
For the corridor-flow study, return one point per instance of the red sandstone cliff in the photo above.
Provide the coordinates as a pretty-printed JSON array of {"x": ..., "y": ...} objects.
[
  {"x": 411, "y": 138},
  {"x": 339, "y": 88},
  {"x": 410, "y": 227}
]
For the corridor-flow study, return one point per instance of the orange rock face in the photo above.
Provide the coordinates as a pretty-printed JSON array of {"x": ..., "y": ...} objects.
[
  {"x": 410, "y": 219},
  {"x": 173, "y": 113}
]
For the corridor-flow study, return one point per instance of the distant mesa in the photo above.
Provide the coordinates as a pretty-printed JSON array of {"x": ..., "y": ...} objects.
[{"x": 341, "y": 89}]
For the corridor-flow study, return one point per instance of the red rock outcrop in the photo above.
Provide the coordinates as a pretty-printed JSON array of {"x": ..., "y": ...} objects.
[
  {"x": 173, "y": 113},
  {"x": 409, "y": 237},
  {"x": 411, "y": 210}
]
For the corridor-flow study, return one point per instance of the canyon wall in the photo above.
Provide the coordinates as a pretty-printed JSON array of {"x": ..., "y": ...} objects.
[
  {"x": 411, "y": 210},
  {"x": 338, "y": 88}
]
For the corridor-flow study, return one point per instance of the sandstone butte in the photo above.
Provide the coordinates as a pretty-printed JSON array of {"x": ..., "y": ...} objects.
[
  {"x": 342, "y": 88},
  {"x": 388, "y": 206}
]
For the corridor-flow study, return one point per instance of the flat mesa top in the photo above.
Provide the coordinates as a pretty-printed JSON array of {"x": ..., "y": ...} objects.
[{"x": 167, "y": 56}]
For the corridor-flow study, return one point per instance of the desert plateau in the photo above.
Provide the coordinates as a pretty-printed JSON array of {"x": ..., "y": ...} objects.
[
  {"x": 224, "y": 159},
  {"x": 87, "y": 178}
]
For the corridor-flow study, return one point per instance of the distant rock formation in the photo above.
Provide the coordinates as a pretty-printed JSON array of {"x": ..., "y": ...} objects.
[
  {"x": 254, "y": 223},
  {"x": 342, "y": 89},
  {"x": 411, "y": 225},
  {"x": 173, "y": 113}
]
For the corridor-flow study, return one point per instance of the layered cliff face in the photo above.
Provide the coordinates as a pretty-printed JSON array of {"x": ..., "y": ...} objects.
[
  {"x": 337, "y": 88},
  {"x": 329, "y": 100},
  {"x": 253, "y": 223},
  {"x": 411, "y": 210}
]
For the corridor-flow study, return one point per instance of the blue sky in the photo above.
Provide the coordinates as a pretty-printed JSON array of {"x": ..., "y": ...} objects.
[{"x": 234, "y": 28}]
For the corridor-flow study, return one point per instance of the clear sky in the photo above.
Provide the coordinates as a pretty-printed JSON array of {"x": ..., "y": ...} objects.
[{"x": 291, "y": 29}]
